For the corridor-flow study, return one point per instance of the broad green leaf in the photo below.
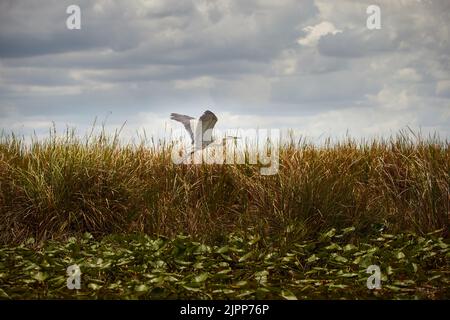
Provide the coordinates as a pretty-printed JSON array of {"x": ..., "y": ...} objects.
[
  {"x": 312, "y": 258},
  {"x": 328, "y": 235},
  {"x": 389, "y": 270},
  {"x": 192, "y": 289},
  {"x": 242, "y": 283},
  {"x": 141, "y": 288},
  {"x": 261, "y": 277},
  {"x": 40, "y": 276},
  {"x": 348, "y": 230},
  {"x": 223, "y": 249},
  {"x": 288, "y": 295},
  {"x": 202, "y": 277},
  {"x": 339, "y": 258},
  {"x": 350, "y": 247},
  {"x": 348, "y": 275},
  {"x": 246, "y": 256},
  {"x": 333, "y": 247},
  {"x": 94, "y": 286}
]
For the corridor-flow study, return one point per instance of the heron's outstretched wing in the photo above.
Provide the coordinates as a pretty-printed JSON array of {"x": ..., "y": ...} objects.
[
  {"x": 186, "y": 121},
  {"x": 207, "y": 122}
]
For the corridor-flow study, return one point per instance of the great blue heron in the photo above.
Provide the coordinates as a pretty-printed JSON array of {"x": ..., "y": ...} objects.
[{"x": 201, "y": 136}]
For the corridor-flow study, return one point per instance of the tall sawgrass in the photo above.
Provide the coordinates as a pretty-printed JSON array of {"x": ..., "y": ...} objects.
[{"x": 67, "y": 185}]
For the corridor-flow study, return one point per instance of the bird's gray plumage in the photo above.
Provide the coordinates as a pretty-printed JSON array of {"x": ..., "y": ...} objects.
[
  {"x": 203, "y": 129},
  {"x": 185, "y": 120}
]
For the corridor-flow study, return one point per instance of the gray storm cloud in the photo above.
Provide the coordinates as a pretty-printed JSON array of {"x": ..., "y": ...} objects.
[{"x": 307, "y": 65}]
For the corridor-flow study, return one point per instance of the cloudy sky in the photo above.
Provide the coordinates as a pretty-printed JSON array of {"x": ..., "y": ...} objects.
[{"x": 310, "y": 65}]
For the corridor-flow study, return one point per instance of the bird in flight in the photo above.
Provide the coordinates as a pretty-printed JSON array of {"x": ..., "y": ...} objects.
[{"x": 201, "y": 134}]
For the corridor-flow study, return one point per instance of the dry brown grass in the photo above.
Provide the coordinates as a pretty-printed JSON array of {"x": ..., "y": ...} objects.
[{"x": 65, "y": 186}]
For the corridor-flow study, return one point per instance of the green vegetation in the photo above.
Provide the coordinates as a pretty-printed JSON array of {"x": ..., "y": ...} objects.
[
  {"x": 333, "y": 266},
  {"x": 246, "y": 235}
]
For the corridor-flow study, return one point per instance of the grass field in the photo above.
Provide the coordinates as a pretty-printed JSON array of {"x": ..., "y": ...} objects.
[{"x": 140, "y": 226}]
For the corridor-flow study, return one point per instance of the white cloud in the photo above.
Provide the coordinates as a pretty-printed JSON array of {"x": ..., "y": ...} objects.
[
  {"x": 314, "y": 33},
  {"x": 391, "y": 99},
  {"x": 408, "y": 74}
]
